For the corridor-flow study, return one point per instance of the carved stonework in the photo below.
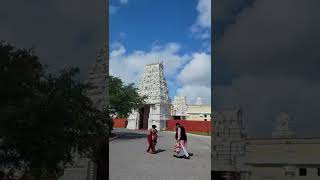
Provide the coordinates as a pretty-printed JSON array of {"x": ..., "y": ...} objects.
[
  {"x": 228, "y": 140},
  {"x": 153, "y": 85},
  {"x": 281, "y": 126},
  {"x": 180, "y": 106},
  {"x": 98, "y": 80}
]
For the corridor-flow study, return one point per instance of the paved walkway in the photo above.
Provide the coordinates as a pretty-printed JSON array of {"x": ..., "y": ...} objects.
[{"x": 129, "y": 159}]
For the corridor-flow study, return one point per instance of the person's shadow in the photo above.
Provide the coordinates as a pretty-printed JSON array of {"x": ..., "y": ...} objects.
[
  {"x": 190, "y": 154},
  {"x": 160, "y": 150}
]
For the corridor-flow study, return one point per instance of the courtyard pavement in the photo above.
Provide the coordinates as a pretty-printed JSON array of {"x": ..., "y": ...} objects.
[{"x": 129, "y": 159}]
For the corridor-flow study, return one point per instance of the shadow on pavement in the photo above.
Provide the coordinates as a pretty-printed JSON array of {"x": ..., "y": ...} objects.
[
  {"x": 130, "y": 135},
  {"x": 160, "y": 150}
]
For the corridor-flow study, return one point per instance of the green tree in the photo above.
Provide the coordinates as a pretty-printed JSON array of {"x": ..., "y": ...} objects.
[
  {"x": 123, "y": 98},
  {"x": 45, "y": 118}
]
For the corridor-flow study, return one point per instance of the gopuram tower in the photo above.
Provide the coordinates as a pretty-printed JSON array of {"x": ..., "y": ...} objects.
[
  {"x": 98, "y": 80},
  {"x": 228, "y": 144},
  {"x": 156, "y": 110}
]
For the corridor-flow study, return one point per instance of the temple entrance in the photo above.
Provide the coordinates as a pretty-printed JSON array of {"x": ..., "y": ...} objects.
[{"x": 144, "y": 117}]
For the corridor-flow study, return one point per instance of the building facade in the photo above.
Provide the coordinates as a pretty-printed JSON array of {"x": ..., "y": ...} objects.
[
  {"x": 182, "y": 111},
  {"x": 283, "y": 156},
  {"x": 199, "y": 113},
  {"x": 282, "y": 159},
  {"x": 179, "y": 108}
]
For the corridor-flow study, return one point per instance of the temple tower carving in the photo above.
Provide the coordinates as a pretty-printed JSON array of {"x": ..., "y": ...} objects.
[{"x": 156, "y": 110}]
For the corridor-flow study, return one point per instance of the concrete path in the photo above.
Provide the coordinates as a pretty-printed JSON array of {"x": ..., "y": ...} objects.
[{"x": 129, "y": 159}]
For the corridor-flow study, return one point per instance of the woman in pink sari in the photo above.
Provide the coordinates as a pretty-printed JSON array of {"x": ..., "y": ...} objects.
[
  {"x": 181, "y": 138},
  {"x": 152, "y": 140}
]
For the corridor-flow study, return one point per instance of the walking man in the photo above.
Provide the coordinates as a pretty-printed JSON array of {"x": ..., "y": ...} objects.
[{"x": 181, "y": 138}]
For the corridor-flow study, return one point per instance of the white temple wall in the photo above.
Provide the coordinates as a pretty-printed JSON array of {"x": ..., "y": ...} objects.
[
  {"x": 133, "y": 122},
  {"x": 159, "y": 114}
]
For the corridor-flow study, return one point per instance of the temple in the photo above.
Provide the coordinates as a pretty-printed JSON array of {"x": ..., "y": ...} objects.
[
  {"x": 97, "y": 79},
  {"x": 235, "y": 156},
  {"x": 179, "y": 108},
  {"x": 156, "y": 109},
  {"x": 228, "y": 144},
  {"x": 194, "y": 112}
]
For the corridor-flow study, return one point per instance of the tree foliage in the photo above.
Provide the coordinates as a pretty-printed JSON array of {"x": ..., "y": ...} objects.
[
  {"x": 44, "y": 117},
  {"x": 123, "y": 98}
]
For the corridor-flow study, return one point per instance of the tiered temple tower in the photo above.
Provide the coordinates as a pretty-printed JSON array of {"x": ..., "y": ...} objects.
[
  {"x": 180, "y": 106},
  {"x": 228, "y": 143},
  {"x": 84, "y": 168},
  {"x": 98, "y": 80},
  {"x": 156, "y": 109},
  {"x": 98, "y": 94}
]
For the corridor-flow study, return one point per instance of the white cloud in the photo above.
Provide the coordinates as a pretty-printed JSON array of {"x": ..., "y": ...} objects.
[
  {"x": 262, "y": 98},
  {"x": 194, "y": 91},
  {"x": 117, "y": 50},
  {"x": 274, "y": 57},
  {"x": 197, "y": 71},
  {"x": 195, "y": 78},
  {"x": 123, "y": 1},
  {"x": 78, "y": 24},
  {"x": 204, "y": 17},
  {"x": 130, "y": 66},
  {"x": 202, "y": 27}
]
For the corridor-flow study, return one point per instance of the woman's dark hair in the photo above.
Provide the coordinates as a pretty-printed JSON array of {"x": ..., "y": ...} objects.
[
  {"x": 154, "y": 126},
  {"x": 177, "y": 124}
]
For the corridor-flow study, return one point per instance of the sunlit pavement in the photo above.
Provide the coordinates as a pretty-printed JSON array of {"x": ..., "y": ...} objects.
[{"x": 129, "y": 159}]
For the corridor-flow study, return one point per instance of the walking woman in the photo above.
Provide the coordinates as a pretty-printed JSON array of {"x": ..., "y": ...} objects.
[{"x": 152, "y": 139}]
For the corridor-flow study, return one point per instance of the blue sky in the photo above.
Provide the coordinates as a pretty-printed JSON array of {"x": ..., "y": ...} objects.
[
  {"x": 147, "y": 21},
  {"x": 144, "y": 31}
]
